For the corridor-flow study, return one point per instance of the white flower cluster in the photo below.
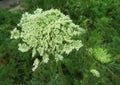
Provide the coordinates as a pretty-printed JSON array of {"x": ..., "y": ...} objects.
[
  {"x": 15, "y": 34},
  {"x": 95, "y": 73},
  {"x": 49, "y": 33},
  {"x": 35, "y": 64}
]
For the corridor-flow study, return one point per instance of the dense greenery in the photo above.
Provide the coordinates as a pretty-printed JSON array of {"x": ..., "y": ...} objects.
[
  {"x": 12, "y": 63},
  {"x": 96, "y": 63}
]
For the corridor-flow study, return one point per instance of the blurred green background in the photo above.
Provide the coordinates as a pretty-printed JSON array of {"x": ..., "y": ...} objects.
[{"x": 100, "y": 19}]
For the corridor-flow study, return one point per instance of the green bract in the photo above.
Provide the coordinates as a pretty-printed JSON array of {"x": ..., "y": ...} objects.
[
  {"x": 101, "y": 55},
  {"x": 48, "y": 33}
]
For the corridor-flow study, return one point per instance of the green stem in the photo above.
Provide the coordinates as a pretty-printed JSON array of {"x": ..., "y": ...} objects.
[{"x": 61, "y": 73}]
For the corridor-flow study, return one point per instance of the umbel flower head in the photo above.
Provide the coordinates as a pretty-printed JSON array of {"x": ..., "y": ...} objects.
[
  {"x": 101, "y": 55},
  {"x": 95, "y": 72},
  {"x": 49, "y": 33}
]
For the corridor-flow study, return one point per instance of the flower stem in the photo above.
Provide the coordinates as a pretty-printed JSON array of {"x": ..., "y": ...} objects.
[{"x": 61, "y": 73}]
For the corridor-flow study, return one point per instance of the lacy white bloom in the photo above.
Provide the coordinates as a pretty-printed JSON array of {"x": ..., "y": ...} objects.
[
  {"x": 48, "y": 33},
  {"x": 58, "y": 57},
  {"x": 23, "y": 47},
  {"x": 35, "y": 64},
  {"x": 45, "y": 58},
  {"x": 15, "y": 34}
]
